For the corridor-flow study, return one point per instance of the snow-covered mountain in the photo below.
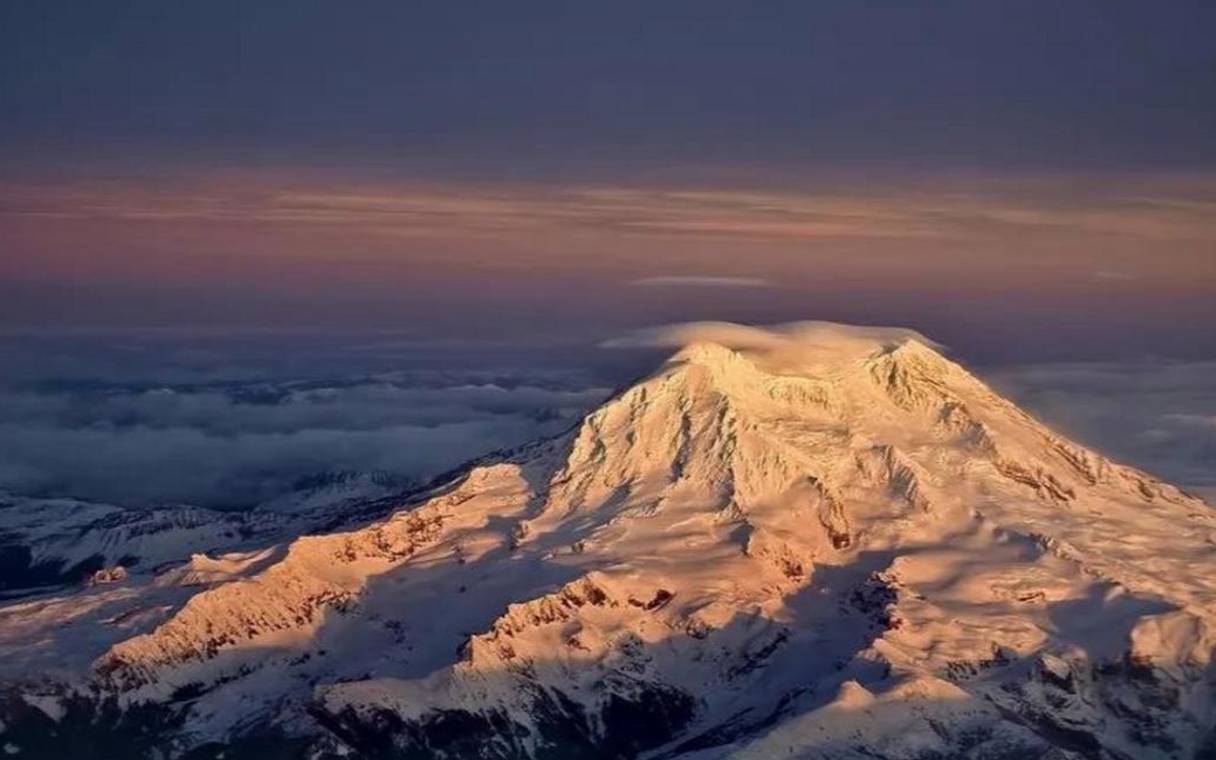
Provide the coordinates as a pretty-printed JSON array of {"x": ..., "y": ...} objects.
[
  {"x": 828, "y": 542},
  {"x": 332, "y": 491},
  {"x": 45, "y": 543}
]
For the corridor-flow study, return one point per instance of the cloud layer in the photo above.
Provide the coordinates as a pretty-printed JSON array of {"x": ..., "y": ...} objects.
[
  {"x": 217, "y": 441},
  {"x": 1144, "y": 207},
  {"x": 702, "y": 281}
]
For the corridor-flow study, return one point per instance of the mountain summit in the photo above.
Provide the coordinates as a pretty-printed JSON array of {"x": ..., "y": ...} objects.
[{"x": 818, "y": 542}]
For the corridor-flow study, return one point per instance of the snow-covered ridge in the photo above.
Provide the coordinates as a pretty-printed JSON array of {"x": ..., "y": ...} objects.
[
  {"x": 48, "y": 542},
  {"x": 821, "y": 542}
]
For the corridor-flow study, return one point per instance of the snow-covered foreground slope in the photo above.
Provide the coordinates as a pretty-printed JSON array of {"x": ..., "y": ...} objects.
[{"x": 831, "y": 542}]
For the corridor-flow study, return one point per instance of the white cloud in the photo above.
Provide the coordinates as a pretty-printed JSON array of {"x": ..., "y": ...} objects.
[
  {"x": 702, "y": 281},
  {"x": 790, "y": 336}
]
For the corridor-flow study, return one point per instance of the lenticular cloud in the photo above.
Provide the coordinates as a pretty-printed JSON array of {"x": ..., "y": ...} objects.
[{"x": 786, "y": 337}]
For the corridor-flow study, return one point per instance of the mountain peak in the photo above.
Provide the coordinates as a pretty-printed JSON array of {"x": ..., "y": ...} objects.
[
  {"x": 819, "y": 351},
  {"x": 707, "y": 353}
]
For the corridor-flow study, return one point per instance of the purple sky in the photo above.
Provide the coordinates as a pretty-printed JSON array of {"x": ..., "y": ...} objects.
[{"x": 1017, "y": 178}]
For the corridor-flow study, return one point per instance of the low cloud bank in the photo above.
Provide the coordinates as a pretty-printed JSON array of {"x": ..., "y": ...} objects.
[
  {"x": 159, "y": 435},
  {"x": 241, "y": 445}
]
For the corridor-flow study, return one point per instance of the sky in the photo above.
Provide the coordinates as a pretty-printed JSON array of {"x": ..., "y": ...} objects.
[
  {"x": 248, "y": 190},
  {"x": 538, "y": 88}
]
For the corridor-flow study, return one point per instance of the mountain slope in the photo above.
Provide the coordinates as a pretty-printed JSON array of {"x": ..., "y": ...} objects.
[{"x": 830, "y": 543}]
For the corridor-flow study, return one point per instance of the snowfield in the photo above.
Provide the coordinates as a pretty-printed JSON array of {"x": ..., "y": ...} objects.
[{"x": 810, "y": 542}]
